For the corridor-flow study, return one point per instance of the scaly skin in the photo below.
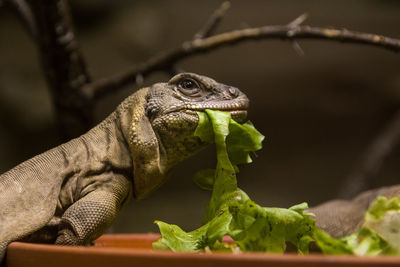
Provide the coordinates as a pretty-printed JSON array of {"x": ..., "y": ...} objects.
[{"x": 71, "y": 194}]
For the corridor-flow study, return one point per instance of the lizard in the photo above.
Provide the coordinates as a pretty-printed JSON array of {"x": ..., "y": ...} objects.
[{"x": 71, "y": 194}]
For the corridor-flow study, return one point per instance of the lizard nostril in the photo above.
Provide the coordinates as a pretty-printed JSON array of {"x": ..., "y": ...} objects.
[{"x": 233, "y": 91}]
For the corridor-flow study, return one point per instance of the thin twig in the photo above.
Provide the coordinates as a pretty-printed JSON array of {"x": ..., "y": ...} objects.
[
  {"x": 384, "y": 143},
  {"x": 213, "y": 22},
  {"x": 23, "y": 11},
  {"x": 193, "y": 47}
]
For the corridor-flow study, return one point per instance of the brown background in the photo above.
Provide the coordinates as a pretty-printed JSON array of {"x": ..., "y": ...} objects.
[{"x": 318, "y": 112}]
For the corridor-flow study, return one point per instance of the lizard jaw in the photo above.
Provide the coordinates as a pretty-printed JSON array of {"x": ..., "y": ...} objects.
[
  {"x": 237, "y": 115},
  {"x": 237, "y": 108}
]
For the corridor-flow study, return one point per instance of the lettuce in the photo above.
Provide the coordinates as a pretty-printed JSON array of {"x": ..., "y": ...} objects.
[
  {"x": 230, "y": 211},
  {"x": 255, "y": 228}
]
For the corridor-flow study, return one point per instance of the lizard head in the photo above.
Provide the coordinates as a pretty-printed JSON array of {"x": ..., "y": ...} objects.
[{"x": 162, "y": 129}]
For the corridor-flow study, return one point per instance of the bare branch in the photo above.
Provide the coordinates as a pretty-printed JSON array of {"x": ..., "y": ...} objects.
[
  {"x": 213, "y": 22},
  {"x": 165, "y": 59},
  {"x": 22, "y": 9},
  {"x": 380, "y": 148},
  {"x": 63, "y": 65}
]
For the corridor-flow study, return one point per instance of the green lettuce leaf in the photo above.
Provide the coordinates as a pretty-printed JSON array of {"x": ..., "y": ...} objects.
[
  {"x": 230, "y": 211},
  {"x": 330, "y": 245},
  {"x": 243, "y": 139},
  {"x": 205, "y": 179},
  {"x": 214, "y": 127},
  {"x": 175, "y": 239},
  {"x": 269, "y": 229}
]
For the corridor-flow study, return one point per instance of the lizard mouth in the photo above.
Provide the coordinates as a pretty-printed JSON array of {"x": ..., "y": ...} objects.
[
  {"x": 238, "y": 108},
  {"x": 238, "y": 115}
]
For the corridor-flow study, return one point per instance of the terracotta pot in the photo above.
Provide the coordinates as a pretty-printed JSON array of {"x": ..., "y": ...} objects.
[{"x": 135, "y": 250}]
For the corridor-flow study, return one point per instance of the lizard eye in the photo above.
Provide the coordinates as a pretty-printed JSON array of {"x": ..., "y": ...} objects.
[{"x": 189, "y": 87}]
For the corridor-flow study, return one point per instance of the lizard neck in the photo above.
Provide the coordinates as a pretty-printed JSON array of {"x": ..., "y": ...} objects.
[{"x": 148, "y": 155}]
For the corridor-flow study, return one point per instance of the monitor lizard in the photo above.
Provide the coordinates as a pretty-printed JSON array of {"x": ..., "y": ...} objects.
[{"x": 71, "y": 194}]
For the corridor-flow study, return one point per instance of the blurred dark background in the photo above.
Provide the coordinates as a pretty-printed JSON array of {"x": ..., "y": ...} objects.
[{"x": 318, "y": 112}]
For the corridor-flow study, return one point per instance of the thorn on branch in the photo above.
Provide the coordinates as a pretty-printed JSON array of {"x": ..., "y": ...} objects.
[
  {"x": 294, "y": 25},
  {"x": 297, "y": 48},
  {"x": 298, "y": 21},
  {"x": 213, "y": 21}
]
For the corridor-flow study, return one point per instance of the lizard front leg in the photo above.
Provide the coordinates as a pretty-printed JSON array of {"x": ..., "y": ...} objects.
[{"x": 92, "y": 215}]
